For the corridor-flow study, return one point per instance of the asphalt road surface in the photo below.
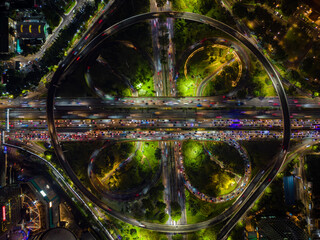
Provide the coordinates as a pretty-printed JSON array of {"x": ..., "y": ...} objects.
[{"x": 70, "y": 64}]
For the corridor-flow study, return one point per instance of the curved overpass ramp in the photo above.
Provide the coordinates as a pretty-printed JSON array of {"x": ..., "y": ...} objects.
[{"x": 71, "y": 63}]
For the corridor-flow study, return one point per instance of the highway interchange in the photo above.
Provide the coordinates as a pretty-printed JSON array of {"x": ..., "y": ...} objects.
[
  {"x": 69, "y": 65},
  {"x": 204, "y": 112}
]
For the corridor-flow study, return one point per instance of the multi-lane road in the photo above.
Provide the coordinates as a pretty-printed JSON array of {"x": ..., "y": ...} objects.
[
  {"x": 201, "y": 107},
  {"x": 71, "y": 63},
  {"x": 147, "y": 102},
  {"x": 260, "y": 189},
  {"x": 163, "y": 108}
]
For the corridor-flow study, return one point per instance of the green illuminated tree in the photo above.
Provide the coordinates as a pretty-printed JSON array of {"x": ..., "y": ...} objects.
[
  {"x": 240, "y": 10},
  {"x": 160, "y": 3},
  {"x": 163, "y": 217},
  {"x": 175, "y": 211},
  {"x": 177, "y": 237}
]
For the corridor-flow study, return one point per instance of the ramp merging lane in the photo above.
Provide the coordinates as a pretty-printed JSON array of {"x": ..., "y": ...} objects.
[{"x": 249, "y": 195}]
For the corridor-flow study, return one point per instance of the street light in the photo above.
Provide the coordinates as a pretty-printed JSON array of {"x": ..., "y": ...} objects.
[{"x": 43, "y": 193}]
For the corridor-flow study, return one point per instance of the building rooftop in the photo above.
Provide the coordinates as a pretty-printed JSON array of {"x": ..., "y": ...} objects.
[
  {"x": 4, "y": 34},
  {"x": 55, "y": 234},
  {"x": 289, "y": 190},
  {"x": 31, "y": 30},
  {"x": 58, "y": 234},
  {"x": 280, "y": 228}
]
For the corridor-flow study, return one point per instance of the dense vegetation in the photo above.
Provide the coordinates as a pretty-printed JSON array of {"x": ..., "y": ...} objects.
[
  {"x": 292, "y": 48},
  {"x": 210, "y": 8},
  {"x": 228, "y": 155},
  {"x": 78, "y": 155},
  {"x": 133, "y": 70},
  {"x": 152, "y": 207},
  {"x": 144, "y": 164},
  {"x": 204, "y": 173},
  {"x": 198, "y": 210},
  {"x": 261, "y": 152},
  {"x": 175, "y": 211},
  {"x": 111, "y": 156}
]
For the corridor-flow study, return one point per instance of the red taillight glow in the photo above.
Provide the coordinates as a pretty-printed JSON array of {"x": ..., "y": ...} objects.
[{"x": 4, "y": 213}]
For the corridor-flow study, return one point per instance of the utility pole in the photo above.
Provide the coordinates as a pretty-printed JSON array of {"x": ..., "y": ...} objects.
[
  {"x": 7, "y": 120},
  {"x": 3, "y": 161},
  {"x": 4, "y": 156}
]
